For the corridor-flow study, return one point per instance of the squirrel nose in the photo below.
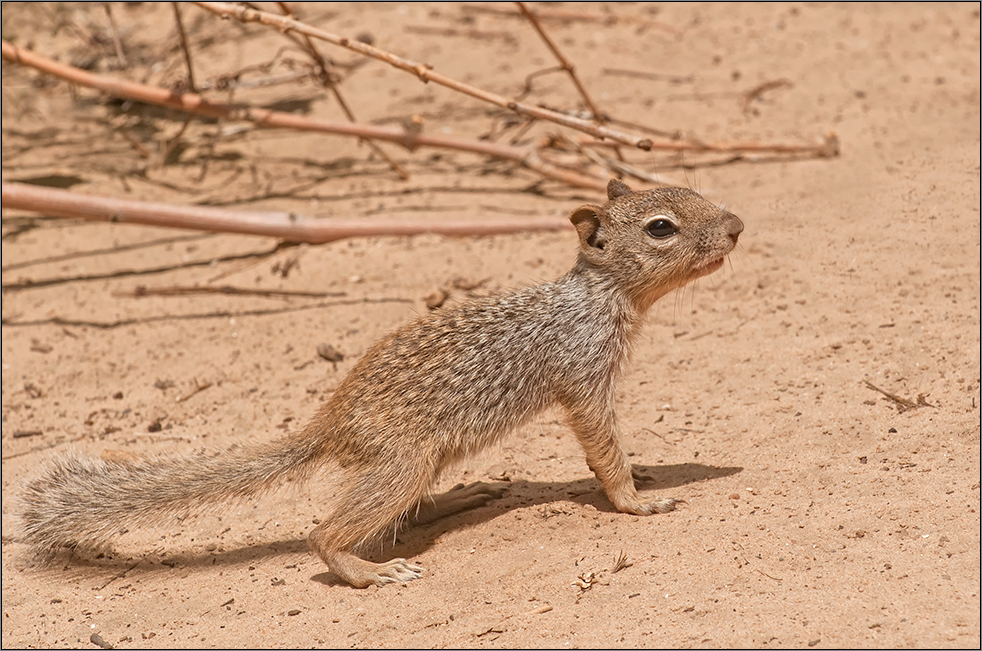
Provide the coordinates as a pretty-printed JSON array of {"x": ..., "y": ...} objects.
[{"x": 734, "y": 228}]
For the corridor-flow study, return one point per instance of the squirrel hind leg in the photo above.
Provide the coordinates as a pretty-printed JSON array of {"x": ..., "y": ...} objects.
[
  {"x": 354, "y": 522},
  {"x": 360, "y": 573},
  {"x": 370, "y": 503}
]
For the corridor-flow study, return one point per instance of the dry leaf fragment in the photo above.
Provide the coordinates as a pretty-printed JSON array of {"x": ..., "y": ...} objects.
[
  {"x": 329, "y": 352},
  {"x": 436, "y": 298},
  {"x": 621, "y": 563},
  {"x": 585, "y": 581}
]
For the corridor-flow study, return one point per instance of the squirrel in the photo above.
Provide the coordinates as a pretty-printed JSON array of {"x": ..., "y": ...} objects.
[{"x": 436, "y": 390}]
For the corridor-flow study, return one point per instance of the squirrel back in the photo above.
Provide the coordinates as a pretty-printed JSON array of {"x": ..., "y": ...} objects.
[{"x": 454, "y": 381}]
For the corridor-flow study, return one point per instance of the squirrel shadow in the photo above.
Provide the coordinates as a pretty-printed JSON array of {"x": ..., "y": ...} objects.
[{"x": 411, "y": 540}]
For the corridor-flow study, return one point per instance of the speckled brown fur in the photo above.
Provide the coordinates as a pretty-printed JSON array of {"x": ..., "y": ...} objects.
[{"x": 434, "y": 391}]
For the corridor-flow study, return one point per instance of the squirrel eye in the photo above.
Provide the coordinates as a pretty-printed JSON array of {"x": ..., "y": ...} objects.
[{"x": 661, "y": 228}]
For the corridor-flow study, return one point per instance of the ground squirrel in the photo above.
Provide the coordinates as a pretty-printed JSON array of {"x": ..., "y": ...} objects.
[{"x": 436, "y": 390}]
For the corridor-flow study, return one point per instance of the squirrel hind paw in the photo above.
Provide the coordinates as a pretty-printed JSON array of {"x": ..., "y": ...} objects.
[{"x": 398, "y": 570}]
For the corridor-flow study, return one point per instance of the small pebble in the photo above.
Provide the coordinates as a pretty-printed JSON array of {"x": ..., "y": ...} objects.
[
  {"x": 329, "y": 352},
  {"x": 435, "y": 299}
]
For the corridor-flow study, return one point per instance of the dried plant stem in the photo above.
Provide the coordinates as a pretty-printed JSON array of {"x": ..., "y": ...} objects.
[
  {"x": 184, "y": 46},
  {"x": 563, "y": 62},
  {"x": 288, "y": 226},
  {"x": 478, "y": 34},
  {"x": 620, "y": 167},
  {"x": 828, "y": 147},
  {"x": 425, "y": 73},
  {"x": 142, "y": 291},
  {"x": 327, "y": 79},
  {"x": 266, "y": 118},
  {"x": 570, "y": 16},
  {"x": 117, "y": 42}
]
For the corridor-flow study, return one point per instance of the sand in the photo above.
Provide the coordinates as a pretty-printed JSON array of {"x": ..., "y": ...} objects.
[{"x": 820, "y": 510}]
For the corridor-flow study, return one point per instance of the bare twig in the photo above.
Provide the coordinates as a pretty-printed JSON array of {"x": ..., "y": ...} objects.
[
  {"x": 828, "y": 147},
  {"x": 760, "y": 571},
  {"x": 495, "y": 628},
  {"x": 176, "y": 290},
  {"x": 136, "y": 144},
  {"x": 570, "y": 16},
  {"x": 198, "y": 388},
  {"x": 62, "y": 203},
  {"x": 563, "y": 63},
  {"x": 219, "y": 314},
  {"x": 620, "y": 167},
  {"x": 235, "y": 83},
  {"x": 903, "y": 404},
  {"x": 210, "y": 149},
  {"x": 327, "y": 80},
  {"x": 527, "y": 88},
  {"x": 651, "y": 431},
  {"x": 102, "y": 251},
  {"x": 193, "y": 103},
  {"x": 184, "y": 46},
  {"x": 169, "y": 145},
  {"x": 117, "y": 43},
  {"x": 126, "y": 273},
  {"x": 462, "y": 33},
  {"x": 675, "y": 79},
  {"x": 44, "y": 447},
  {"x": 760, "y": 89},
  {"x": 116, "y": 576},
  {"x": 424, "y": 72}
]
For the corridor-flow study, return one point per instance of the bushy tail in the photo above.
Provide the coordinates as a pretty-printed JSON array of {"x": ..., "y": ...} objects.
[{"x": 83, "y": 502}]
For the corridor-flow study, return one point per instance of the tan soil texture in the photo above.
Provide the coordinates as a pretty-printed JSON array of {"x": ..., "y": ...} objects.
[{"x": 820, "y": 512}]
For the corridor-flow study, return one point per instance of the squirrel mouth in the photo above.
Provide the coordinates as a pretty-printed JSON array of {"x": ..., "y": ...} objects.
[{"x": 706, "y": 268}]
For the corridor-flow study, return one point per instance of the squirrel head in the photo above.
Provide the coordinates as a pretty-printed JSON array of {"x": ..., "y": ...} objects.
[{"x": 653, "y": 241}]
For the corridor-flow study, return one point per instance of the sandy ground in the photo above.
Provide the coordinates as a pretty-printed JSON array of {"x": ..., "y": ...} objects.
[{"x": 821, "y": 512}]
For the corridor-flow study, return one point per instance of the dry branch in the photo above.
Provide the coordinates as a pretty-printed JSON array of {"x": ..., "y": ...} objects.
[
  {"x": 328, "y": 80},
  {"x": 903, "y": 404},
  {"x": 142, "y": 291},
  {"x": 424, "y": 72},
  {"x": 570, "y": 16},
  {"x": 192, "y": 103},
  {"x": 288, "y": 226},
  {"x": 34, "y": 283},
  {"x": 410, "y": 139},
  {"x": 563, "y": 62},
  {"x": 828, "y": 147},
  {"x": 117, "y": 43},
  {"x": 477, "y": 34},
  {"x": 184, "y": 46}
]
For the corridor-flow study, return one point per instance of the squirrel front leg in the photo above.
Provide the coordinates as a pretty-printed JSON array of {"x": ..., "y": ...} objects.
[{"x": 595, "y": 425}]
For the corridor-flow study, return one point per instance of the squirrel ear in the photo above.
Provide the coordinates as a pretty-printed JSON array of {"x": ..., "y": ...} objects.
[
  {"x": 617, "y": 188},
  {"x": 586, "y": 219}
]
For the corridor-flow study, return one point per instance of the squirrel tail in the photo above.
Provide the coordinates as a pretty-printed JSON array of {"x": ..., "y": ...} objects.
[{"x": 82, "y": 502}]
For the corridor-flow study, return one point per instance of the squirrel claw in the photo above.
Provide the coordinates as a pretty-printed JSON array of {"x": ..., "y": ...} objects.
[
  {"x": 398, "y": 570},
  {"x": 664, "y": 505}
]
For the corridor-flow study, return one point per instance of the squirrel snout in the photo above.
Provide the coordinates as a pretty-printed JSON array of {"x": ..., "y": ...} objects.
[{"x": 734, "y": 227}]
